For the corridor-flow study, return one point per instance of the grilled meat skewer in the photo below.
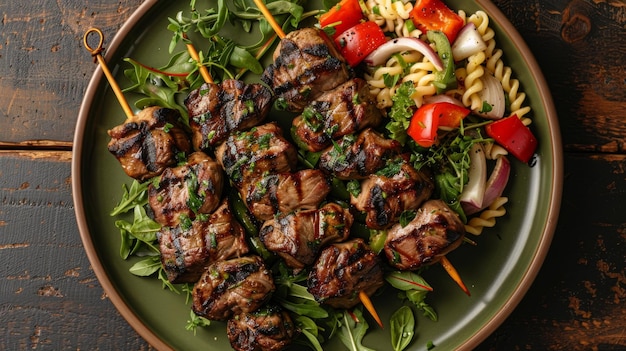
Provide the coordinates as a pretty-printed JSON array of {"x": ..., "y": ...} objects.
[
  {"x": 298, "y": 236},
  {"x": 396, "y": 188},
  {"x": 187, "y": 249},
  {"x": 434, "y": 232},
  {"x": 342, "y": 271},
  {"x": 149, "y": 142},
  {"x": 184, "y": 191},
  {"x": 344, "y": 110},
  {"x": 306, "y": 64},
  {"x": 232, "y": 286},
  {"x": 358, "y": 156},
  {"x": 273, "y": 194},
  {"x": 260, "y": 150},
  {"x": 267, "y": 329},
  {"x": 216, "y": 110}
]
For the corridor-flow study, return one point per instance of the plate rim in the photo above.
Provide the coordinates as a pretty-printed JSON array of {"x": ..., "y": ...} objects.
[
  {"x": 531, "y": 271},
  {"x": 76, "y": 173}
]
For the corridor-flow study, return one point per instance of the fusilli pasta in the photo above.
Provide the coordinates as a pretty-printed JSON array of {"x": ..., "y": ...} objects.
[{"x": 487, "y": 218}]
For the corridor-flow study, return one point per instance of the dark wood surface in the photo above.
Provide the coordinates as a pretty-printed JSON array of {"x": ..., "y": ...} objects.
[{"x": 50, "y": 298}]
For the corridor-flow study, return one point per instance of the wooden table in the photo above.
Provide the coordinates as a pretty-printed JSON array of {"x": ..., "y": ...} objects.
[{"x": 51, "y": 299}]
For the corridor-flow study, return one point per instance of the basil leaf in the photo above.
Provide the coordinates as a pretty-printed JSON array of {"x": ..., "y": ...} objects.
[
  {"x": 402, "y": 328},
  {"x": 146, "y": 267}
]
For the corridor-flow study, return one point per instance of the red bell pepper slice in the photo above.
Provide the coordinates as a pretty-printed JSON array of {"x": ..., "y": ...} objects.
[
  {"x": 435, "y": 15},
  {"x": 359, "y": 41},
  {"x": 428, "y": 118},
  {"x": 514, "y": 136},
  {"x": 450, "y": 114},
  {"x": 343, "y": 16}
]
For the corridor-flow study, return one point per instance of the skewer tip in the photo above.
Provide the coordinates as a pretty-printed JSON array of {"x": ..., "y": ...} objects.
[
  {"x": 447, "y": 265},
  {"x": 370, "y": 307}
]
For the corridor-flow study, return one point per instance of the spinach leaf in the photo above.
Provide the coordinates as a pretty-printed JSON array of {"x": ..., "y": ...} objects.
[
  {"x": 402, "y": 328},
  {"x": 137, "y": 194}
]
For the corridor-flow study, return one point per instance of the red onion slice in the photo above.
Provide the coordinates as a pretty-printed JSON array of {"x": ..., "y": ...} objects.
[
  {"x": 382, "y": 53},
  {"x": 467, "y": 43},
  {"x": 474, "y": 191},
  {"x": 494, "y": 188}
]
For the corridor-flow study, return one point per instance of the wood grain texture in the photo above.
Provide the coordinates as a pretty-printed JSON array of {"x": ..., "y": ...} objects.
[
  {"x": 44, "y": 68},
  {"x": 49, "y": 295},
  {"x": 579, "y": 46}
]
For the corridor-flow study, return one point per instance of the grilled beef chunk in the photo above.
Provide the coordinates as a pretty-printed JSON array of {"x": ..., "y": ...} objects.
[
  {"x": 184, "y": 255},
  {"x": 149, "y": 142},
  {"x": 232, "y": 286},
  {"x": 188, "y": 248},
  {"x": 273, "y": 194},
  {"x": 342, "y": 271},
  {"x": 356, "y": 157},
  {"x": 298, "y": 236},
  {"x": 306, "y": 64},
  {"x": 216, "y": 110},
  {"x": 268, "y": 329},
  {"x": 435, "y": 231},
  {"x": 263, "y": 149},
  {"x": 223, "y": 235},
  {"x": 186, "y": 190},
  {"x": 396, "y": 188},
  {"x": 344, "y": 110}
]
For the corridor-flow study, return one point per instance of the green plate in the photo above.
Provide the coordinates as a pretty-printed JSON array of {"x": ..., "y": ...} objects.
[{"x": 498, "y": 271}]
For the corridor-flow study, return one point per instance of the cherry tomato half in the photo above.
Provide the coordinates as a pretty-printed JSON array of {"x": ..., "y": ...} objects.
[
  {"x": 359, "y": 41},
  {"x": 343, "y": 16}
]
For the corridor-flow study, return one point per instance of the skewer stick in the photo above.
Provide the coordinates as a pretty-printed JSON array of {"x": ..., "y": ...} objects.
[
  {"x": 268, "y": 16},
  {"x": 194, "y": 55},
  {"x": 281, "y": 34},
  {"x": 370, "y": 307},
  {"x": 97, "y": 54},
  {"x": 447, "y": 265}
]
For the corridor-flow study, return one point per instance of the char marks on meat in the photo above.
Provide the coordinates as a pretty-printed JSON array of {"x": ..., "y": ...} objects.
[
  {"x": 396, "y": 188},
  {"x": 149, "y": 142},
  {"x": 216, "y": 110},
  {"x": 342, "y": 270},
  {"x": 344, "y": 110},
  {"x": 188, "y": 248},
  {"x": 268, "y": 329},
  {"x": 184, "y": 191},
  {"x": 298, "y": 236},
  {"x": 248, "y": 155},
  {"x": 356, "y": 157},
  {"x": 273, "y": 194},
  {"x": 434, "y": 232},
  {"x": 232, "y": 286},
  {"x": 306, "y": 64}
]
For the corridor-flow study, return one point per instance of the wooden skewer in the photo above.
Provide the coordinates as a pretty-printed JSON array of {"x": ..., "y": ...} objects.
[
  {"x": 447, "y": 265},
  {"x": 97, "y": 54},
  {"x": 370, "y": 307},
  {"x": 194, "y": 55},
  {"x": 281, "y": 34},
  {"x": 268, "y": 16}
]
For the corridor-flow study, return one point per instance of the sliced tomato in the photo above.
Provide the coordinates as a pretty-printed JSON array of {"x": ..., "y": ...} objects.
[
  {"x": 435, "y": 15},
  {"x": 423, "y": 126},
  {"x": 514, "y": 136},
  {"x": 343, "y": 16},
  {"x": 429, "y": 117},
  {"x": 359, "y": 41}
]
